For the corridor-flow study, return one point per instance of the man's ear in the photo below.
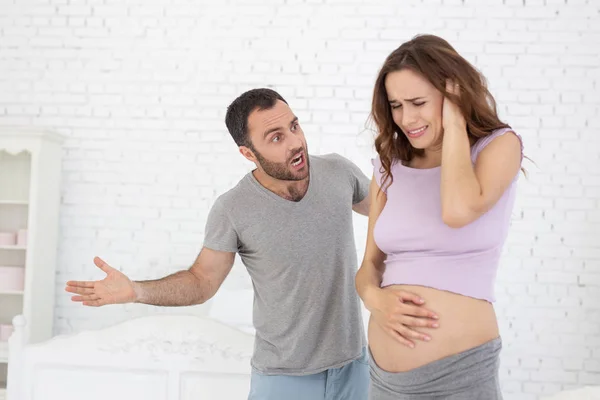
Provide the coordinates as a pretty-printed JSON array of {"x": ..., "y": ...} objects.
[{"x": 248, "y": 154}]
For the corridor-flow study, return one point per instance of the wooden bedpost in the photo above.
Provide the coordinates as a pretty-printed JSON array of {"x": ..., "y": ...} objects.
[{"x": 16, "y": 346}]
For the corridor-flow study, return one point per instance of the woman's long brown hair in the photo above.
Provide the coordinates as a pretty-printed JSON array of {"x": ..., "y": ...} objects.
[{"x": 437, "y": 61}]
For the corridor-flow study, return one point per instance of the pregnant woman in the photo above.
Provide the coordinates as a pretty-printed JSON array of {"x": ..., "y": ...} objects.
[{"x": 441, "y": 200}]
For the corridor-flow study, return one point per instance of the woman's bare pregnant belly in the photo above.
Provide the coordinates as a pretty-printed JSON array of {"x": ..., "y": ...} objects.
[{"x": 464, "y": 323}]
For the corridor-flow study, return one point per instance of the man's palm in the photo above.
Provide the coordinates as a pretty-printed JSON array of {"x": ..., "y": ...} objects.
[{"x": 116, "y": 288}]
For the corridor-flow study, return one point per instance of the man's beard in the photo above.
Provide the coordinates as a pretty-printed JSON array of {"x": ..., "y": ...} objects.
[{"x": 283, "y": 171}]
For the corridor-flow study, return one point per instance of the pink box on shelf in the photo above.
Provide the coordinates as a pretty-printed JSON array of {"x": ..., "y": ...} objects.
[
  {"x": 12, "y": 278},
  {"x": 5, "y": 332},
  {"x": 8, "y": 239},
  {"x": 22, "y": 237}
]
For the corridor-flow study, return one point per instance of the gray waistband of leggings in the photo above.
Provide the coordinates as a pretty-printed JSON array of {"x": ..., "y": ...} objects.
[{"x": 447, "y": 376}]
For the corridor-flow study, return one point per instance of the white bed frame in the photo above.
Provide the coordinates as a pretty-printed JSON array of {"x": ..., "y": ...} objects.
[{"x": 152, "y": 358}]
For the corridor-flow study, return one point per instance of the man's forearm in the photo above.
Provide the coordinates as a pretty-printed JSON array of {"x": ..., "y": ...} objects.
[{"x": 179, "y": 289}]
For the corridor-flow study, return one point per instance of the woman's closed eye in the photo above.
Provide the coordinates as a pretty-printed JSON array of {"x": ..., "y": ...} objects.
[{"x": 419, "y": 104}]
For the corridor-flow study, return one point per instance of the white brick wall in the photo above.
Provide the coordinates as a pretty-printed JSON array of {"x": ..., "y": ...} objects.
[{"x": 140, "y": 90}]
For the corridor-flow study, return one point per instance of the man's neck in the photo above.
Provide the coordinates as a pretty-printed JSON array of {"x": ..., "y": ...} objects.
[{"x": 288, "y": 190}]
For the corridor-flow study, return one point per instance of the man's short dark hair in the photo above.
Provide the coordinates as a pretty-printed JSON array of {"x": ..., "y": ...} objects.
[{"x": 240, "y": 109}]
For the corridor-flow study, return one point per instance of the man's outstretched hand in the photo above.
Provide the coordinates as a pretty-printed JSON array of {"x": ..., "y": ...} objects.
[{"x": 116, "y": 288}]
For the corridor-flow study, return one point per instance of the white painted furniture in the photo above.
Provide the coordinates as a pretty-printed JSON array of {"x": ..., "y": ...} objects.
[
  {"x": 584, "y": 393},
  {"x": 30, "y": 170},
  {"x": 161, "y": 357}
]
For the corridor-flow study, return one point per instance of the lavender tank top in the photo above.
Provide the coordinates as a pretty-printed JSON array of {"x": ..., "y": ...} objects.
[{"x": 422, "y": 250}]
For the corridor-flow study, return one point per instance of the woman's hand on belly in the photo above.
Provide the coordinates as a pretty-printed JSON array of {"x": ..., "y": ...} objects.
[
  {"x": 398, "y": 312},
  {"x": 465, "y": 322}
]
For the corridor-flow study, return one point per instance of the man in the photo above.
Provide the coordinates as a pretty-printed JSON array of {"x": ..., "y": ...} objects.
[{"x": 290, "y": 220}]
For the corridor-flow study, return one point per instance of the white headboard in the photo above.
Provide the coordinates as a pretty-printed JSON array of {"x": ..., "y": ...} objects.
[{"x": 152, "y": 358}]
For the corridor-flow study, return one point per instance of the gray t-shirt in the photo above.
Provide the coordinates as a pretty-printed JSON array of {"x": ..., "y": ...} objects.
[{"x": 301, "y": 257}]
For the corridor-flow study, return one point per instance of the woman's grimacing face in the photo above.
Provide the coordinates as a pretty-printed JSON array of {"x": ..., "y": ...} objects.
[{"x": 416, "y": 107}]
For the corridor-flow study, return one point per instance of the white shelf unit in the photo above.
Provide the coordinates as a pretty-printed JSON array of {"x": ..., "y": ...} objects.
[
  {"x": 30, "y": 171},
  {"x": 3, "y": 352}
]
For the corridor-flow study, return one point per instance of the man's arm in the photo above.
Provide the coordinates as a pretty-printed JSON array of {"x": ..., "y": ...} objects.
[
  {"x": 193, "y": 286},
  {"x": 362, "y": 208},
  {"x": 360, "y": 185},
  {"x": 184, "y": 288}
]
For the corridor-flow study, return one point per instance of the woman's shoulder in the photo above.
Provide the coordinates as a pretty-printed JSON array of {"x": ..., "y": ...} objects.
[{"x": 484, "y": 141}]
